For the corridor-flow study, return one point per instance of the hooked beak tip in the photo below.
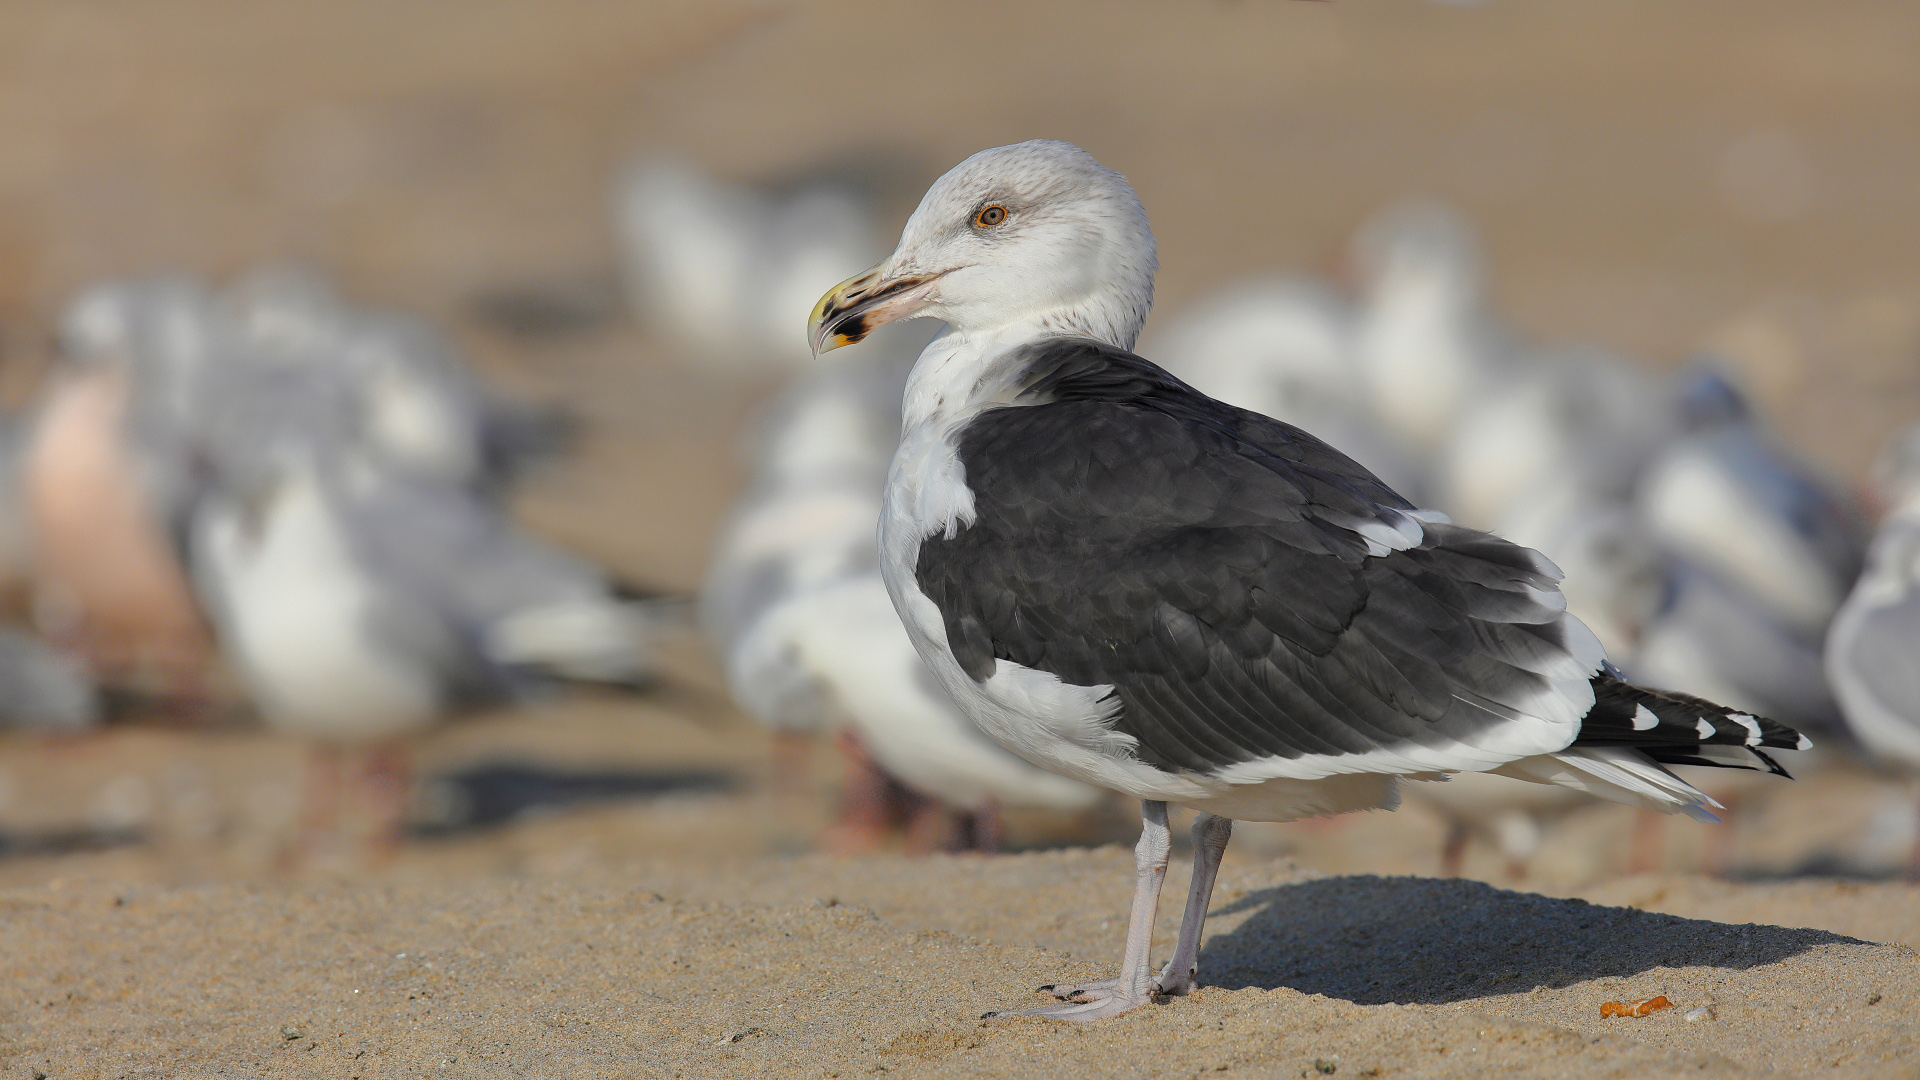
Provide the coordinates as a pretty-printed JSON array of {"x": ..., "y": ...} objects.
[{"x": 854, "y": 308}]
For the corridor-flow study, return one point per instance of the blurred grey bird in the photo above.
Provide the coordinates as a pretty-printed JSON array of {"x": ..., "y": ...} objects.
[
  {"x": 1559, "y": 420},
  {"x": 1873, "y": 647},
  {"x": 729, "y": 270},
  {"x": 361, "y": 605},
  {"x": 106, "y": 478},
  {"x": 414, "y": 403},
  {"x": 1727, "y": 498},
  {"x": 16, "y": 540},
  {"x": 42, "y": 689},
  {"x": 1710, "y": 637}
]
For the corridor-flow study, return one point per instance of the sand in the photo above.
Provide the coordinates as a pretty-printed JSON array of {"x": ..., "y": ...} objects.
[
  {"x": 616, "y": 887},
  {"x": 811, "y": 967}
]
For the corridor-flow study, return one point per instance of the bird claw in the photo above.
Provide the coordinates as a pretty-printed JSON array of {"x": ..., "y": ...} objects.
[
  {"x": 1168, "y": 984},
  {"x": 1079, "y": 991},
  {"x": 1091, "y": 1001},
  {"x": 1094, "y": 1000}
]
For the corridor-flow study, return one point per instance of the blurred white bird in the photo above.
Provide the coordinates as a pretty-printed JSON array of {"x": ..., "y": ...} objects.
[
  {"x": 1284, "y": 347},
  {"x": 811, "y": 641},
  {"x": 1873, "y": 647},
  {"x": 1730, "y": 500},
  {"x": 1426, "y": 344},
  {"x": 1557, "y": 421},
  {"x": 361, "y": 606},
  {"x": 731, "y": 271}
]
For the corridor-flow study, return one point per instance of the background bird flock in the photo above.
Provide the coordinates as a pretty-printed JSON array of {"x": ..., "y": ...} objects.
[
  {"x": 267, "y": 494},
  {"x": 263, "y": 501}
]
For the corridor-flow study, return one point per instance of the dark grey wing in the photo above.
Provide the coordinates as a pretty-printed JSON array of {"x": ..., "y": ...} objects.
[{"x": 1247, "y": 591}]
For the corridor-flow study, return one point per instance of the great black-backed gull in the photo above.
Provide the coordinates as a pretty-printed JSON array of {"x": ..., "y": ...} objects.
[{"x": 1129, "y": 583}]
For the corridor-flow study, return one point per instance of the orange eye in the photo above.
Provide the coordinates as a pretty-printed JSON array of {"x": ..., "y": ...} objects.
[{"x": 989, "y": 216}]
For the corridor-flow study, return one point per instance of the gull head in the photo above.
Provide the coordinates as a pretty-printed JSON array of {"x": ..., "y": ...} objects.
[{"x": 1036, "y": 235}]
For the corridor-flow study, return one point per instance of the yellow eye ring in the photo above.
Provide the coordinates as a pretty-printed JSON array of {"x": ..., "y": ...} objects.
[{"x": 990, "y": 215}]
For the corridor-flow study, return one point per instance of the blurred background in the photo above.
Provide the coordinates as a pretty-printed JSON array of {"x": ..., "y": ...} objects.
[{"x": 266, "y": 270}]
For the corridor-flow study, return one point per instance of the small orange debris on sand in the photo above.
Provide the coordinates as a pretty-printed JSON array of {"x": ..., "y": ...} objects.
[{"x": 1635, "y": 1008}]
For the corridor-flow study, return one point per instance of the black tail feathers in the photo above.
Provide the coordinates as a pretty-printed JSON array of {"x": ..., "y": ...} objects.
[{"x": 1679, "y": 729}]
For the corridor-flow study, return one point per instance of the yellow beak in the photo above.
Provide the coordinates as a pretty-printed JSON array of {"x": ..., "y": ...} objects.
[{"x": 852, "y": 309}]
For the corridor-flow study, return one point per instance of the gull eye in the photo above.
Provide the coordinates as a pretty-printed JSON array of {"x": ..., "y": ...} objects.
[{"x": 989, "y": 216}]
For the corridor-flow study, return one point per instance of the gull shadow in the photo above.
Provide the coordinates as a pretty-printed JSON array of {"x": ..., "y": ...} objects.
[
  {"x": 1825, "y": 866},
  {"x": 71, "y": 841},
  {"x": 493, "y": 794},
  {"x": 1377, "y": 941}
]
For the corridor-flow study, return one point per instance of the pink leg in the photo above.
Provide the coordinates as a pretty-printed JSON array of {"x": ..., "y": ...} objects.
[
  {"x": 1134, "y": 986},
  {"x": 1722, "y": 846},
  {"x": 981, "y": 829},
  {"x": 792, "y": 760},
  {"x": 1453, "y": 850},
  {"x": 387, "y": 777},
  {"x": 1646, "y": 846},
  {"x": 1182, "y": 973},
  {"x": 930, "y": 826},
  {"x": 866, "y": 805},
  {"x": 1913, "y": 855},
  {"x": 318, "y": 824}
]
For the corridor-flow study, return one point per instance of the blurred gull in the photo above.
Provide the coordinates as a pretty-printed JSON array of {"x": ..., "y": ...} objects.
[
  {"x": 1710, "y": 638},
  {"x": 1425, "y": 342},
  {"x": 1284, "y": 347},
  {"x": 105, "y": 478},
  {"x": 1556, "y": 421},
  {"x": 731, "y": 271},
  {"x": 1616, "y": 576},
  {"x": 809, "y": 634},
  {"x": 1873, "y": 647},
  {"x": 1727, "y": 498},
  {"x": 330, "y": 475},
  {"x": 360, "y": 606},
  {"x": 417, "y": 404}
]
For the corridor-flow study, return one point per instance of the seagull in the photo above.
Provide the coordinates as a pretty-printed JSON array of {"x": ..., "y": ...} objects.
[
  {"x": 361, "y": 606},
  {"x": 1139, "y": 587},
  {"x": 1873, "y": 647},
  {"x": 728, "y": 268},
  {"x": 1735, "y": 504},
  {"x": 414, "y": 402},
  {"x": 797, "y": 605},
  {"x": 1567, "y": 419},
  {"x": 1426, "y": 343},
  {"x": 99, "y": 485}
]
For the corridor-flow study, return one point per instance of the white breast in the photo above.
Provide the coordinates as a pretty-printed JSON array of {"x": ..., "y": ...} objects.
[{"x": 295, "y": 609}]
